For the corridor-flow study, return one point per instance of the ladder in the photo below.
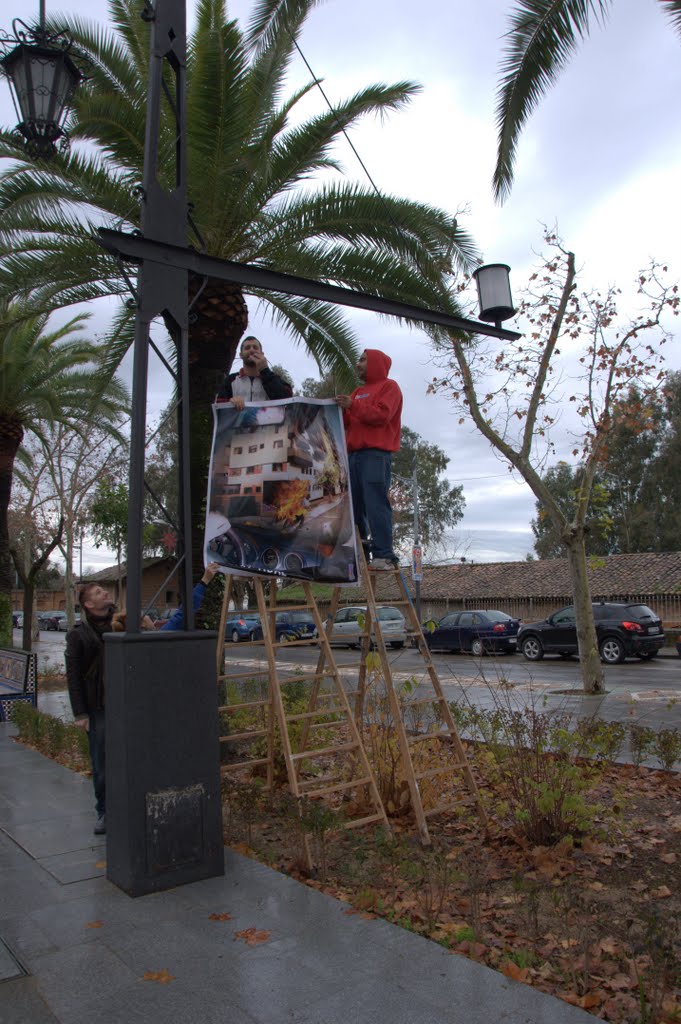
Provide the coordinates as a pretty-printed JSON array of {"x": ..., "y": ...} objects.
[
  {"x": 322, "y": 747},
  {"x": 444, "y": 729}
]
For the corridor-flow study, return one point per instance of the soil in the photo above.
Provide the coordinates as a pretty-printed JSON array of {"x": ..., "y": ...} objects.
[{"x": 593, "y": 919}]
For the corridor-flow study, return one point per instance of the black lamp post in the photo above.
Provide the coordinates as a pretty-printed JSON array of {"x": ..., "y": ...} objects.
[
  {"x": 42, "y": 78},
  {"x": 494, "y": 292}
]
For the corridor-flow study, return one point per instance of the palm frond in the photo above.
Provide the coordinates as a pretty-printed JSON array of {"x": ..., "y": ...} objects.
[
  {"x": 542, "y": 37},
  {"x": 673, "y": 10}
]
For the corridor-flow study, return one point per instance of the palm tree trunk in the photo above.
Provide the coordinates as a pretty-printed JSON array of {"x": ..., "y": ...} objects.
[{"x": 10, "y": 439}]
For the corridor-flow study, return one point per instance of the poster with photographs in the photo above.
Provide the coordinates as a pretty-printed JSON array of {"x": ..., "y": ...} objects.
[{"x": 278, "y": 492}]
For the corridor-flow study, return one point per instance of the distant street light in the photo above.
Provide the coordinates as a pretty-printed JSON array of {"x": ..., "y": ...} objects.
[
  {"x": 42, "y": 78},
  {"x": 494, "y": 292}
]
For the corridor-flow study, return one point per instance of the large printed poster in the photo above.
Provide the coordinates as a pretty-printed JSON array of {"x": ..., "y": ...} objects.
[{"x": 278, "y": 492}]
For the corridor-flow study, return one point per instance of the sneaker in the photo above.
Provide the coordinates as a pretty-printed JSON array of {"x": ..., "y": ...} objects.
[
  {"x": 100, "y": 827},
  {"x": 383, "y": 565}
]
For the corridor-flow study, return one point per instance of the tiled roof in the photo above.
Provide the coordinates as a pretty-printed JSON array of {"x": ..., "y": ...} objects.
[
  {"x": 111, "y": 571},
  {"x": 609, "y": 576}
]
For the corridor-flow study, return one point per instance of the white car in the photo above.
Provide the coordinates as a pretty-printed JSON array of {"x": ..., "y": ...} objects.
[{"x": 349, "y": 623}]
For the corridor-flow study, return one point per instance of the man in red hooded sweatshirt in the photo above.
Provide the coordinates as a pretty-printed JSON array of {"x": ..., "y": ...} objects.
[{"x": 372, "y": 417}]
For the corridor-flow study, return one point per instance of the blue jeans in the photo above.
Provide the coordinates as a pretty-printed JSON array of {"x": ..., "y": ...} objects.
[
  {"x": 370, "y": 474},
  {"x": 97, "y": 740}
]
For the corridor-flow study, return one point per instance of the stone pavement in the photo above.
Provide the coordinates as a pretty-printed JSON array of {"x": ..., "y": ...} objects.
[{"x": 74, "y": 949}]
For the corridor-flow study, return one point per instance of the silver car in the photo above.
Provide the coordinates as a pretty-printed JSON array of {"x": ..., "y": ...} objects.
[{"x": 349, "y": 623}]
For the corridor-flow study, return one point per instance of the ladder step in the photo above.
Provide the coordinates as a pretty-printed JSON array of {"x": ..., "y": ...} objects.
[
  {"x": 339, "y": 787},
  {"x": 249, "y": 704},
  {"x": 289, "y": 608},
  {"x": 309, "y": 677},
  {"x": 307, "y": 642},
  {"x": 443, "y": 735},
  {"x": 440, "y": 771},
  {"x": 243, "y": 675},
  {"x": 447, "y": 807},
  {"x": 232, "y": 737},
  {"x": 324, "y": 750},
  {"x": 316, "y": 714},
  {"x": 326, "y": 780},
  {"x": 224, "y": 768},
  {"x": 358, "y": 822}
]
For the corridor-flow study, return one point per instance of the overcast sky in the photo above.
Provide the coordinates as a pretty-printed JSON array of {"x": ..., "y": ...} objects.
[{"x": 601, "y": 158}]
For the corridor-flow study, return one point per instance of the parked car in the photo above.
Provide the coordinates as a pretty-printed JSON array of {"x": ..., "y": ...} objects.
[
  {"x": 50, "y": 619},
  {"x": 349, "y": 623},
  {"x": 243, "y": 627},
  {"x": 294, "y": 625},
  {"x": 63, "y": 626},
  {"x": 17, "y": 620},
  {"x": 476, "y": 632},
  {"x": 624, "y": 630}
]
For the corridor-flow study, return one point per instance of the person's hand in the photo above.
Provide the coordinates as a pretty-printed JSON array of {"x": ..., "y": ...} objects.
[
  {"x": 344, "y": 401},
  {"x": 82, "y": 723},
  {"x": 238, "y": 403},
  {"x": 209, "y": 572},
  {"x": 147, "y": 623},
  {"x": 259, "y": 360}
]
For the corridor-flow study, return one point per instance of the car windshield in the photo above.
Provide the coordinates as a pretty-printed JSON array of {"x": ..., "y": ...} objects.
[
  {"x": 389, "y": 613},
  {"x": 300, "y": 617},
  {"x": 494, "y": 616},
  {"x": 641, "y": 610}
]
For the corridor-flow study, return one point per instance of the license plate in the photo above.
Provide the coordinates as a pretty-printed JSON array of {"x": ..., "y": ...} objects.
[{"x": 653, "y": 629}]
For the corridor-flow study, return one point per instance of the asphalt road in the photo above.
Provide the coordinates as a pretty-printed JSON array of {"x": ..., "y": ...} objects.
[{"x": 645, "y": 691}]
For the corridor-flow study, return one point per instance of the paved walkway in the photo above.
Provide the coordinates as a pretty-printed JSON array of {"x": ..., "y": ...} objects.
[{"x": 74, "y": 949}]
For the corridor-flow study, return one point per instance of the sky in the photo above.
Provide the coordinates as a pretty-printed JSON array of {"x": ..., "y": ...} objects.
[{"x": 600, "y": 158}]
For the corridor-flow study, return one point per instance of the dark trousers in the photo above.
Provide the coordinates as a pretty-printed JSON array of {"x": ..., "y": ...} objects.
[
  {"x": 370, "y": 475},
  {"x": 97, "y": 739}
]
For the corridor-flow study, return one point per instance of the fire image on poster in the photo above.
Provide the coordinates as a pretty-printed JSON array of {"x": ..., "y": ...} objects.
[{"x": 278, "y": 492}]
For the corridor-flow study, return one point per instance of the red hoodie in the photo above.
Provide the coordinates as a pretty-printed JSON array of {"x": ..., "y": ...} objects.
[{"x": 373, "y": 419}]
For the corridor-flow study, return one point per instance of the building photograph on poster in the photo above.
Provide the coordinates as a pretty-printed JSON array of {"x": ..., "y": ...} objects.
[{"x": 278, "y": 492}]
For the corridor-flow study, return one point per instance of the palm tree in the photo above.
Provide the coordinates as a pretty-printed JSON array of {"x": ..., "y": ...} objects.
[
  {"x": 543, "y": 36},
  {"x": 249, "y": 172},
  {"x": 46, "y": 377}
]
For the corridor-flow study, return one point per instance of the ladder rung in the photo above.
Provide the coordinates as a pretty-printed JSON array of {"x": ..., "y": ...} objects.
[
  {"x": 249, "y": 704},
  {"x": 337, "y": 788},
  {"x": 308, "y": 677},
  {"x": 316, "y": 714},
  {"x": 327, "y": 780},
  {"x": 224, "y": 768},
  {"x": 424, "y": 700},
  {"x": 243, "y": 675},
  {"x": 233, "y": 736},
  {"x": 289, "y": 608},
  {"x": 440, "y": 771},
  {"x": 308, "y": 641},
  {"x": 358, "y": 822},
  {"x": 445, "y": 734},
  {"x": 324, "y": 750},
  {"x": 447, "y": 807}
]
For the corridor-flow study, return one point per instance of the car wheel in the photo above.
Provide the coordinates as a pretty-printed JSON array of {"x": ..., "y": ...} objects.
[
  {"x": 532, "y": 648},
  {"x": 251, "y": 635},
  {"x": 612, "y": 651},
  {"x": 477, "y": 647},
  {"x": 235, "y": 636}
]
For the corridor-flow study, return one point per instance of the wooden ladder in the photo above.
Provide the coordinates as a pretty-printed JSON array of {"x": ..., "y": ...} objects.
[
  {"x": 444, "y": 726},
  {"x": 332, "y": 769}
]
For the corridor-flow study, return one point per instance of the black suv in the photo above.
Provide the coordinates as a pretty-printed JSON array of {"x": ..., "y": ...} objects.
[{"x": 623, "y": 630}]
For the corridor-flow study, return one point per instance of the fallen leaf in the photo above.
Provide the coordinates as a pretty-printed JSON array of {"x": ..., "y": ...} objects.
[
  {"x": 608, "y": 945},
  {"x": 162, "y": 977},
  {"x": 668, "y": 858},
  {"x": 252, "y": 937},
  {"x": 591, "y": 999},
  {"x": 101, "y": 864},
  {"x": 511, "y": 970},
  {"x": 94, "y": 924},
  {"x": 660, "y": 893},
  {"x": 219, "y": 917},
  {"x": 596, "y": 886}
]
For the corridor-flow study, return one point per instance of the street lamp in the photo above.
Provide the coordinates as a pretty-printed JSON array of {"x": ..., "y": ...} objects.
[
  {"x": 494, "y": 292},
  {"x": 42, "y": 78}
]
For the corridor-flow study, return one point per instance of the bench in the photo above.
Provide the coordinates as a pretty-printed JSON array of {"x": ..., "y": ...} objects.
[{"x": 18, "y": 680}]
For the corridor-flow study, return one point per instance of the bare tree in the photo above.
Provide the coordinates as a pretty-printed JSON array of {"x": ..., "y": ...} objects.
[{"x": 574, "y": 353}]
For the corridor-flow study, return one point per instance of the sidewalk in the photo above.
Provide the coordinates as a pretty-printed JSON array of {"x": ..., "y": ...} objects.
[{"x": 74, "y": 949}]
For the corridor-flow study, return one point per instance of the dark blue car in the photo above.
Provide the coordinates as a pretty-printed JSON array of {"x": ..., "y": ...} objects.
[
  {"x": 474, "y": 632},
  {"x": 243, "y": 627}
]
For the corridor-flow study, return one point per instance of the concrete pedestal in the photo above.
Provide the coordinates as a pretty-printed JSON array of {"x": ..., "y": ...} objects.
[{"x": 163, "y": 808}]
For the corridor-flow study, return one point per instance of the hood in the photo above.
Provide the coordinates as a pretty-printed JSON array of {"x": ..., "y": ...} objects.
[{"x": 378, "y": 365}]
